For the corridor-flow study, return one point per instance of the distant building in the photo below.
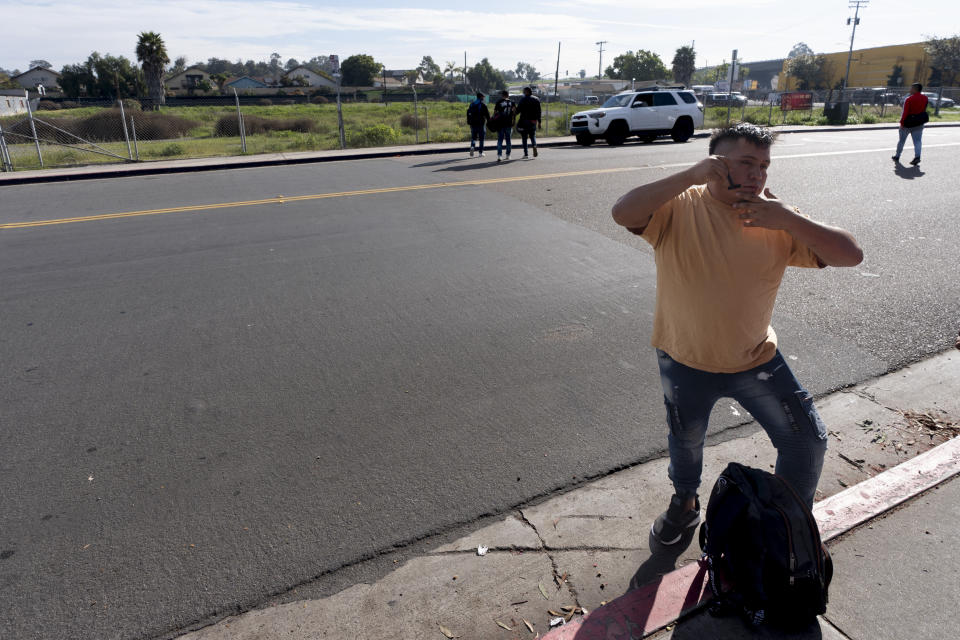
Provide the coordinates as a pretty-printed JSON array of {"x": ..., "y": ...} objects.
[
  {"x": 764, "y": 75},
  {"x": 396, "y": 78},
  {"x": 49, "y": 78},
  {"x": 187, "y": 80},
  {"x": 244, "y": 82},
  {"x": 311, "y": 77},
  {"x": 871, "y": 67},
  {"x": 12, "y": 102}
]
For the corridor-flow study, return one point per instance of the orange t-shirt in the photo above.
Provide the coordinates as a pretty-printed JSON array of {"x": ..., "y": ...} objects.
[{"x": 717, "y": 282}]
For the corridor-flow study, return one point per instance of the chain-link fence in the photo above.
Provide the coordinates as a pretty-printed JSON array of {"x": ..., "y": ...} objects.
[
  {"x": 60, "y": 133},
  {"x": 64, "y": 133},
  {"x": 852, "y": 106}
]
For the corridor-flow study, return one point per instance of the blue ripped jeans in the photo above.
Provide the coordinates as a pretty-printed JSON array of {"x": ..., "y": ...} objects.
[{"x": 771, "y": 394}]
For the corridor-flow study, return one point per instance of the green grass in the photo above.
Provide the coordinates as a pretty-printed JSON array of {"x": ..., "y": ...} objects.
[{"x": 367, "y": 125}]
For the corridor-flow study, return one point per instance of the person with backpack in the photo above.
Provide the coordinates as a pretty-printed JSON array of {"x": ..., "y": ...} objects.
[
  {"x": 504, "y": 113},
  {"x": 477, "y": 117},
  {"x": 528, "y": 119},
  {"x": 912, "y": 119},
  {"x": 721, "y": 244}
]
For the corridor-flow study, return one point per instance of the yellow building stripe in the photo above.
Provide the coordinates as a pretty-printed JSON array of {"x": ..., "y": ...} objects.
[{"x": 315, "y": 196}]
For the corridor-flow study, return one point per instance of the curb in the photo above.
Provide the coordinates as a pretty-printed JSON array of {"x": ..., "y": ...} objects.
[
  {"x": 684, "y": 590},
  {"x": 238, "y": 162}
]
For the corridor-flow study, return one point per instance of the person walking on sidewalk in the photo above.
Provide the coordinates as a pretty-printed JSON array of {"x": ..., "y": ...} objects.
[
  {"x": 721, "y": 244},
  {"x": 912, "y": 120},
  {"x": 477, "y": 117},
  {"x": 528, "y": 119},
  {"x": 504, "y": 113}
]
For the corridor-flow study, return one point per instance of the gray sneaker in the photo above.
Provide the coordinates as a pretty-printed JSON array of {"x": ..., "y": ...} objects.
[{"x": 670, "y": 526}]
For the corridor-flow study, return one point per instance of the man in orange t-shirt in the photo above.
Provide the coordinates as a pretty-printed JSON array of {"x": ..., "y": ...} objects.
[
  {"x": 721, "y": 243},
  {"x": 915, "y": 104}
]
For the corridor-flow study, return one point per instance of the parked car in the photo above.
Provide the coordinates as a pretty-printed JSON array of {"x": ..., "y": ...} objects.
[
  {"x": 723, "y": 99},
  {"x": 945, "y": 103},
  {"x": 591, "y": 100},
  {"x": 647, "y": 114}
]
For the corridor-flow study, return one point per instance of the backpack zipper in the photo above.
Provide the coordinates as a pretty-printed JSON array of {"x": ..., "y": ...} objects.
[
  {"x": 817, "y": 552},
  {"x": 793, "y": 557}
]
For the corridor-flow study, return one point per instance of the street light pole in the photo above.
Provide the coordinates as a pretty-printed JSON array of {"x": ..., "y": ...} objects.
[{"x": 856, "y": 20}]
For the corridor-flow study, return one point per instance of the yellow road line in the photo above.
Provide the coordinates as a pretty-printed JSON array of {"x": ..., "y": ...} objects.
[{"x": 316, "y": 196}]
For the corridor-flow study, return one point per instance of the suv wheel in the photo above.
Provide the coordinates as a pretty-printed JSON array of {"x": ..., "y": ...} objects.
[
  {"x": 586, "y": 139},
  {"x": 682, "y": 130},
  {"x": 617, "y": 133}
]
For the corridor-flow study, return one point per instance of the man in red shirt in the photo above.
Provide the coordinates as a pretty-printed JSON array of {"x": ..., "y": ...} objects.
[{"x": 914, "y": 105}]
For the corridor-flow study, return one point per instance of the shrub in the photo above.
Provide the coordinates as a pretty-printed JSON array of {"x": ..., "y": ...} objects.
[
  {"x": 411, "y": 121},
  {"x": 172, "y": 149},
  {"x": 48, "y": 105},
  {"x": 129, "y": 104},
  {"x": 319, "y": 100},
  {"x": 374, "y": 136},
  {"x": 69, "y": 104},
  {"x": 106, "y": 126},
  {"x": 265, "y": 102},
  {"x": 252, "y": 125}
]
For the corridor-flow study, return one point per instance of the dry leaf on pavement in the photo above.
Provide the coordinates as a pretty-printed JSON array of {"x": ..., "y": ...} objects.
[
  {"x": 447, "y": 632},
  {"x": 529, "y": 626},
  {"x": 543, "y": 591}
]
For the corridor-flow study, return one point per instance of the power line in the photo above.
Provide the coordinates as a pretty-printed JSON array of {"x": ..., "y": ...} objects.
[{"x": 600, "y": 64}]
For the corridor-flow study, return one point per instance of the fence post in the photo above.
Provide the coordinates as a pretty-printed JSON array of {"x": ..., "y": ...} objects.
[
  {"x": 4, "y": 153},
  {"x": 133, "y": 128},
  {"x": 416, "y": 115},
  {"x": 33, "y": 128},
  {"x": 240, "y": 127},
  {"x": 546, "y": 130},
  {"x": 126, "y": 134},
  {"x": 426, "y": 121}
]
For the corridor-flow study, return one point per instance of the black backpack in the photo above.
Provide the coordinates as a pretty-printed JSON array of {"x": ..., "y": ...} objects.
[
  {"x": 473, "y": 114},
  {"x": 762, "y": 539}
]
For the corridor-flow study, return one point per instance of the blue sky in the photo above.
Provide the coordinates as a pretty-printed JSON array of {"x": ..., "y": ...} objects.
[{"x": 399, "y": 34}]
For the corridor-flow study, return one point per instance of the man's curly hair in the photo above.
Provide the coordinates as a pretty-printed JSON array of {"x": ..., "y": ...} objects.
[{"x": 754, "y": 134}]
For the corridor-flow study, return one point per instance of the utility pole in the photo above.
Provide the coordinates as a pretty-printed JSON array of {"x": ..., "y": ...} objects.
[
  {"x": 854, "y": 4},
  {"x": 465, "y": 72},
  {"x": 556, "y": 75},
  {"x": 600, "y": 64}
]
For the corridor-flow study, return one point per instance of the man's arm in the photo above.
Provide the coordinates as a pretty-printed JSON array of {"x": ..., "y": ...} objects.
[
  {"x": 635, "y": 208},
  {"x": 834, "y": 246}
]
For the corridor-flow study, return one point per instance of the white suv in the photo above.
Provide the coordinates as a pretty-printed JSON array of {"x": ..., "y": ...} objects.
[{"x": 648, "y": 113}]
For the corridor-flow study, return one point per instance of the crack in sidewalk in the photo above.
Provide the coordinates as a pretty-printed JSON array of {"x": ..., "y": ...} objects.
[{"x": 559, "y": 579}]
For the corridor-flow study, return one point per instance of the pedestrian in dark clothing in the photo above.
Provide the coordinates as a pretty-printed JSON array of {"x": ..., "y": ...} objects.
[
  {"x": 504, "y": 113},
  {"x": 528, "y": 119},
  {"x": 911, "y": 121},
  {"x": 477, "y": 117}
]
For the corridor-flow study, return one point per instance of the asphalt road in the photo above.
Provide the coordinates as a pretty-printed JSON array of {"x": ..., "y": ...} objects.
[{"x": 203, "y": 408}]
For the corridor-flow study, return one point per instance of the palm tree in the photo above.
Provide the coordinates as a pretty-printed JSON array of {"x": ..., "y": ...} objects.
[{"x": 152, "y": 54}]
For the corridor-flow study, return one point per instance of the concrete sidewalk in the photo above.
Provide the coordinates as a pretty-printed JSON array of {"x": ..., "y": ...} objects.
[
  {"x": 129, "y": 169},
  {"x": 575, "y": 552}
]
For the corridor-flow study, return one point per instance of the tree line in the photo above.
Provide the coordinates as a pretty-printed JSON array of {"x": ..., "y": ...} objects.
[{"x": 107, "y": 76}]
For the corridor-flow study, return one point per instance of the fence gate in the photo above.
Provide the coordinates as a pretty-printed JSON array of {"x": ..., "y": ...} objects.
[{"x": 34, "y": 142}]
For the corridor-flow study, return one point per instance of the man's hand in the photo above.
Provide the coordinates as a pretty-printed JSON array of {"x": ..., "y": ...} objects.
[
  {"x": 710, "y": 169},
  {"x": 832, "y": 245},
  {"x": 769, "y": 211}
]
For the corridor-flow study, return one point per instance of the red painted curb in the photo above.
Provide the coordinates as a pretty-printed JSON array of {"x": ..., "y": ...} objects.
[
  {"x": 656, "y": 605},
  {"x": 643, "y": 610}
]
